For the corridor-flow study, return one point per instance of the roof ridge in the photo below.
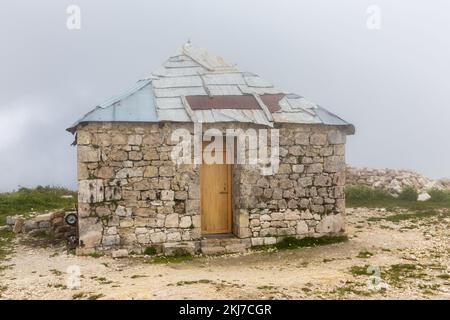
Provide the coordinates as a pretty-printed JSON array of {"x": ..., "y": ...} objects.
[{"x": 207, "y": 59}]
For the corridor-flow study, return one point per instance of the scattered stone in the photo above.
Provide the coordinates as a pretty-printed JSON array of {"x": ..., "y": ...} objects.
[
  {"x": 393, "y": 181},
  {"x": 121, "y": 253},
  {"x": 423, "y": 197},
  {"x": 18, "y": 225},
  {"x": 180, "y": 248},
  {"x": 331, "y": 224}
]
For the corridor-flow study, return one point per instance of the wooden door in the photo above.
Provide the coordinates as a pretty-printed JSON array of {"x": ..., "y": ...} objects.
[{"x": 215, "y": 188}]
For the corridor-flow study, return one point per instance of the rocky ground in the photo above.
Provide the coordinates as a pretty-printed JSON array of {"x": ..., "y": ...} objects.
[{"x": 406, "y": 254}]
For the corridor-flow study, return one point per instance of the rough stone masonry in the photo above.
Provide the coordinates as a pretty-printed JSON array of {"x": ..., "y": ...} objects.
[{"x": 133, "y": 196}]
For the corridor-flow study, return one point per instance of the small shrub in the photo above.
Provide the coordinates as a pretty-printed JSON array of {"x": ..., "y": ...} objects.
[
  {"x": 410, "y": 216},
  {"x": 150, "y": 251},
  {"x": 364, "y": 254},
  {"x": 6, "y": 237},
  {"x": 79, "y": 295},
  {"x": 439, "y": 195},
  {"x": 364, "y": 193},
  {"x": 408, "y": 193},
  {"x": 397, "y": 273},
  {"x": 177, "y": 257},
  {"x": 137, "y": 276},
  {"x": 359, "y": 270},
  {"x": 95, "y": 296},
  {"x": 292, "y": 243}
]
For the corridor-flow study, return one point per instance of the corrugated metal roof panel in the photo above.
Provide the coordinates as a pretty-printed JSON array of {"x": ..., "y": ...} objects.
[
  {"x": 258, "y": 116},
  {"x": 178, "y": 92},
  {"x": 173, "y": 115},
  {"x": 250, "y": 90},
  {"x": 177, "y": 72},
  {"x": 329, "y": 118},
  {"x": 137, "y": 86},
  {"x": 301, "y": 103},
  {"x": 136, "y": 105},
  {"x": 223, "y": 102},
  {"x": 224, "y": 78},
  {"x": 204, "y": 116},
  {"x": 224, "y": 90},
  {"x": 256, "y": 81},
  {"x": 169, "y": 103},
  {"x": 295, "y": 117},
  {"x": 176, "y": 82},
  {"x": 181, "y": 64}
]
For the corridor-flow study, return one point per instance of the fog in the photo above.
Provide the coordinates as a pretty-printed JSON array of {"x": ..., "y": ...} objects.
[{"x": 391, "y": 82}]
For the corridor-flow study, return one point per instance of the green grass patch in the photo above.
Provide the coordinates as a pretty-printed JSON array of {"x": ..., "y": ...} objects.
[
  {"x": 444, "y": 276},
  {"x": 289, "y": 243},
  {"x": 351, "y": 288},
  {"x": 3, "y": 289},
  {"x": 396, "y": 274},
  {"x": 409, "y": 194},
  {"x": 6, "y": 238},
  {"x": 292, "y": 243},
  {"x": 364, "y": 193},
  {"x": 40, "y": 198},
  {"x": 439, "y": 196},
  {"x": 171, "y": 259},
  {"x": 412, "y": 216},
  {"x": 419, "y": 214},
  {"x": 364, "y": 254},
  {"x": 56, "y": 272},
  {"x": 150, "y": 251},
  {"x": 78, "y": 296},
  {"x": 91, "y": 296},
  {"x": 359, "y": 270},
  {"x": 57, "y": 286},
  {"x": 102, "y": 280},
  {"x": 182, "y": 283},
  {"x": 363, "y": 196},
  {"x": 95, "y": 296},
  {"x": 137, "y": 276}
]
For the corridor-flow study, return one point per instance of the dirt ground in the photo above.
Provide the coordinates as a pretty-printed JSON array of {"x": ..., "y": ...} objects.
[{"x": 408, "y": 258}]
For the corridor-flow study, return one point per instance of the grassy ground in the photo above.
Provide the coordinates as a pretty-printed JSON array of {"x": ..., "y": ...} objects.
[
  {"x": 361, "y": 196},
  {"x": 37, "y": 199},
  {"x": 6, "y": 237}
]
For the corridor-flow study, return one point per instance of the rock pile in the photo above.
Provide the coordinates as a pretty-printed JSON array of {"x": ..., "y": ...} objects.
[
  {"x": 393, "y": 181},
  {"x": 53, "y": 222}
]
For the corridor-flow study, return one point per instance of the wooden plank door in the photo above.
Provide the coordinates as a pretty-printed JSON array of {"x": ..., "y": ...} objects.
[{"x": 215, "y": 188}]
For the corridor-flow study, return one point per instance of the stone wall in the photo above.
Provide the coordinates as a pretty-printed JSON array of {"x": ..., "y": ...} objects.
[
  {"x": 131, "y": 194},
  {"x": 50, "y": 222},
  {"x": 393, "y": 181},
  {"x": 305, "y": 197}
]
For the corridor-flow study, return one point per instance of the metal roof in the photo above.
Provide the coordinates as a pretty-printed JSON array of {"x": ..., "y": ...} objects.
[{"x": 198, "y": 77}]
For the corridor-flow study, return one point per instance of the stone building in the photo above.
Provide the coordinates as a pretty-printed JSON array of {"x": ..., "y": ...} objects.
[{"x": 133, "y": 194}]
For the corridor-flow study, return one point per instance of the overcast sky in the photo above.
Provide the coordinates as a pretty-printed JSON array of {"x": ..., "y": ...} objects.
[{"x": 392, "y": 83}]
